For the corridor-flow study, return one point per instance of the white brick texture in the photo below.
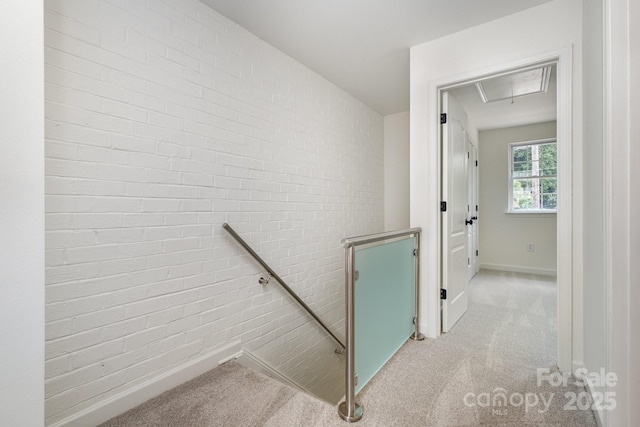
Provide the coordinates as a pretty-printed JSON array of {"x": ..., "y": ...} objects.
[{"x": 163, "y": 121}]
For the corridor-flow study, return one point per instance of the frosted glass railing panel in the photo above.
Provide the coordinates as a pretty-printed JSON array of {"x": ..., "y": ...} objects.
[
  {"x": 384, "y": 304},
  {"x": 303, "y": 353}
]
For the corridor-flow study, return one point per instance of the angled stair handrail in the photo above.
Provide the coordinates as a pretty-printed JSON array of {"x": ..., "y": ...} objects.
[{"x": 286, "y": 287}]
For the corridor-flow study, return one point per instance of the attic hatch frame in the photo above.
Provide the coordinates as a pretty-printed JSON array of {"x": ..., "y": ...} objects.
[{"x": 543, "y": 85}]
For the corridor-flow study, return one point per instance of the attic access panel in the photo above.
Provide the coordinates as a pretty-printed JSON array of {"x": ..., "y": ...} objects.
[{"x": 511, "y": 86}]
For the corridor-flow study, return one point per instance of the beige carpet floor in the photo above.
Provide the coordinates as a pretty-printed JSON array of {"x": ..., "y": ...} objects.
[{"x": 495, "y": 350}]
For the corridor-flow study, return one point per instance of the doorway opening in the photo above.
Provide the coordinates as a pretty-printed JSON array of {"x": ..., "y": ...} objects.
[
  {"x": 511, "y": 121},
  {"x": 561, "y": 61}
]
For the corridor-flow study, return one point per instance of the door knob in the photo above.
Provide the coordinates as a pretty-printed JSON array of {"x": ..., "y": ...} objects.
[
  {"x": 468, "y": 221},
  {"x": 474, "y": 217}
]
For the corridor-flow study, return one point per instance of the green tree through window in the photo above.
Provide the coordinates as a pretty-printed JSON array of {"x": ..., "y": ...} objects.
[{"x": 533, "y": 176}]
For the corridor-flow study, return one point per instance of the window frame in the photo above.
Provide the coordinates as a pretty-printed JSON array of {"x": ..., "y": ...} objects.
[{"x": 510, "y": 178}]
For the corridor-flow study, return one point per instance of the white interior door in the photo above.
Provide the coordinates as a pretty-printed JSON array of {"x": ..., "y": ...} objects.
[
  {"x": 476, "y": 225},
  {"x": 472, "y": 230},
  {"x": 455, "y": 183},
  {"x": 470, "y": 208}
]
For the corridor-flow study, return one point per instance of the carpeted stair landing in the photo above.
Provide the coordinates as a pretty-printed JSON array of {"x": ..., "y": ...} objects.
[{"x": 506, "y": 335}]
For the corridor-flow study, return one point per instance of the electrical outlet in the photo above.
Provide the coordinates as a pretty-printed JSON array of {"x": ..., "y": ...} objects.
[{"x": 531, "y": 247}]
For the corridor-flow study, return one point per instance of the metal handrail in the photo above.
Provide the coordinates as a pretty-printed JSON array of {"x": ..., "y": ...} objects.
[
  {"x": 373, "y": 238},
  {"x": 273, "y": 274}
]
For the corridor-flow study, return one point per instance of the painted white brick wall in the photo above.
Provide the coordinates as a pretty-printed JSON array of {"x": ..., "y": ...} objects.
[{"x": 163, "y": 121}]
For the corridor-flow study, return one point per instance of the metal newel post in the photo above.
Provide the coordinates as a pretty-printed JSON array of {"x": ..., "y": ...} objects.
[
  {"x": 417, "y": 336},
  {"x": 349, "y": 410}
]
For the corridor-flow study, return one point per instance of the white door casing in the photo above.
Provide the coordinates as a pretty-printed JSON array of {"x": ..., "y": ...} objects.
[{"x": 455, "y": 183}]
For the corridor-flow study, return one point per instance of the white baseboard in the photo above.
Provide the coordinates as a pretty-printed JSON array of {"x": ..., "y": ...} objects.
[
  {"x": 424, "y": 330},
  {"x": 520, "y": 269},
  {"x": 139, "y": 394}
]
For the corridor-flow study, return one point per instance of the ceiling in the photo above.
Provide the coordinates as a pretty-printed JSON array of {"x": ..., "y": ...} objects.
[{"x": 362, "y": 46}]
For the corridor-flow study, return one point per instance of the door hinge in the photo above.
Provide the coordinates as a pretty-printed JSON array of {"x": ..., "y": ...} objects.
[
  {"x": 468, "y": 155},
  {"x": 476, "y": 208},
  {"x": 356, "y": 275},
  {"x": 443, "y": 294},
  {"x": 443, "y": 118},
  {"x": 468, "y": 261},
  {"x": 476, "y": 163},
  {"x": 476, "y": 252},
  {"x": 443, "y": 206}
]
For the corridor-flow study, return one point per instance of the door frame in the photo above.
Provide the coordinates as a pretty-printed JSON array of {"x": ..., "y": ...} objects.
[{"x": 564, "y": 239}]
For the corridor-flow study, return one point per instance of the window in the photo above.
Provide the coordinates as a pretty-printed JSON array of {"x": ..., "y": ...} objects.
[{"x": 533, "y": 176}]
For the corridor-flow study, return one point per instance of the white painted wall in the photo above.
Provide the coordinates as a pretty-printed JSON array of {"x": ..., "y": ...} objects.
[
  {"x": 612, "y": 235},
  {"x": 594, "y": 347},
  {"x": 164, "y": 120},
  {"x": 622, "y": 206},
  {"x": 634, "y": 227},
  {"x": 503, "y": 236},
  {"x": 396, "y": 171},
  {"x": 510, "y": 40},
  {"x": 22, "y": 215}
]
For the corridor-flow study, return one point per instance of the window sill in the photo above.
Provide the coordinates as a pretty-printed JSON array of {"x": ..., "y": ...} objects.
[{"x": 536, "y": 214}]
